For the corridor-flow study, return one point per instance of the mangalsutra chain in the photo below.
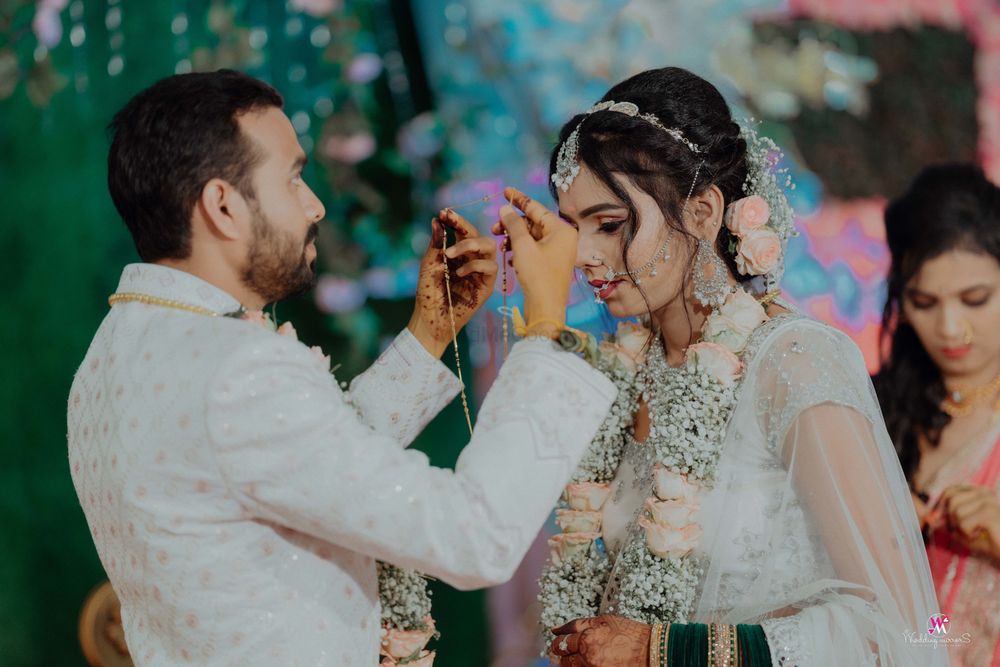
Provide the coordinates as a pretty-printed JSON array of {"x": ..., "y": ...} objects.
[
  {"x": 454, "y": 331},
  {"x": 503, "y": 258},
  {"x": 481, "y": 200},
  {"x": 506, "y": 241}
]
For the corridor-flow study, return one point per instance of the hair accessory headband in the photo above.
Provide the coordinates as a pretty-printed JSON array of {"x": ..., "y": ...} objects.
[{"x": 567, "y": 166}]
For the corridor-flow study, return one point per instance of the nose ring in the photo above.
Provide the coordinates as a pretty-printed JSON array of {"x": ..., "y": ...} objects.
[{"x": 969, "y": 337}]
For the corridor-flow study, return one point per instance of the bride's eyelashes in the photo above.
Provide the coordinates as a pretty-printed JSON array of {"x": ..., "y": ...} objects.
[{"x": 610, "y": 226}]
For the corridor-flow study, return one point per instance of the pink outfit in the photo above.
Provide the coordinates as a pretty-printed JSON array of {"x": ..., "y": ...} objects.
[{"x": 968, "y": 585}]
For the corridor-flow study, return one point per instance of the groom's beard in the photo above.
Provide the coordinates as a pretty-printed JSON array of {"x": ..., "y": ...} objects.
[{"x": 277, "y": 267}]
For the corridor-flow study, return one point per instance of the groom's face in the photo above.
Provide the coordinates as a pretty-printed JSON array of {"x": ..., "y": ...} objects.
[{"x": 281, "y": 255}]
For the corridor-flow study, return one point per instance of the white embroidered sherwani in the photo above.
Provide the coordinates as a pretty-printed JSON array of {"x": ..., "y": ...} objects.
[{"x": 238, "y": 498}]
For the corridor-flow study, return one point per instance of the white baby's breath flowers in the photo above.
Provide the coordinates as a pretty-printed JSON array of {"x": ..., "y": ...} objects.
[
  {"x": 659, "y": 566},
  {"x": 405, "y": 600}
]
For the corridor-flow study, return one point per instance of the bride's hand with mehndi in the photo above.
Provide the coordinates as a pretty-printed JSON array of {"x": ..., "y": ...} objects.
[
  {"x": 604, "y": 641},
  {"x": 472, "y": 266}
]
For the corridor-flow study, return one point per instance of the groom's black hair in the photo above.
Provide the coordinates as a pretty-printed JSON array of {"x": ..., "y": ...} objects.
[{"x": 171, "y": 139}]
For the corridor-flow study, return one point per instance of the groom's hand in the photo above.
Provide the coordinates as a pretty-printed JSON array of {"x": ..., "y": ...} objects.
[
  {"x": 544, "y": 250},
  {"x": 472, "y": 268},
  {"x": 605, "y": 641}
]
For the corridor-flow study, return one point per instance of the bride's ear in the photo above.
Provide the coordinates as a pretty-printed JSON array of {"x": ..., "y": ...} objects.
[{"x": 705, "y": 213}]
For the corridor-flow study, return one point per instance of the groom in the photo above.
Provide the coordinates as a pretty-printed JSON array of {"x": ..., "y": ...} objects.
[{"x": 237, "y": 497}]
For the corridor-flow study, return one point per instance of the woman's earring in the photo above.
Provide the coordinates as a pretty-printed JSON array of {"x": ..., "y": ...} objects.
[{"x": 710, "y": 290}]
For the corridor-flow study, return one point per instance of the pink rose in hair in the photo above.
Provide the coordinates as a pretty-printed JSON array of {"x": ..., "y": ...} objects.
[
  {"x": 747, "y": 214},
  {"x": 759, "y": 253}
]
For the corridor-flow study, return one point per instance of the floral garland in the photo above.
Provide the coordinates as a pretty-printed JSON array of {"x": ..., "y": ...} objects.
[
  {"x": 658, "y": 569},
  {"x": 407, "y": 625}
]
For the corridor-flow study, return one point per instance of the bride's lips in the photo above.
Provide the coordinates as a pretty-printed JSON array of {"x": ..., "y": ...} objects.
[
  {"x": 956, "y": 352},
  {"x": 604, "y": 288}
]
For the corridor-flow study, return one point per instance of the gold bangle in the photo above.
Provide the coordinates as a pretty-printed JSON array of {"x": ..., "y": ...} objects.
[
  {"x": 527, "y": 331},
  {"x": 654, "y": 645},
  {"x": 721, "y": 645}
]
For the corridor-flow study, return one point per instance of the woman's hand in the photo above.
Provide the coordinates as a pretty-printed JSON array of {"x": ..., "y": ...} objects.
[
  {"x": 544, "y": 251},
  {"x": 605, "y": 641},
  {"x": 472, "y": 267},
  {"x": 973, "y": 515}
]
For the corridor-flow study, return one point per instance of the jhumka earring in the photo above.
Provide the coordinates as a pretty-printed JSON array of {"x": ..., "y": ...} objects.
[{"x": 710, "y": 289}]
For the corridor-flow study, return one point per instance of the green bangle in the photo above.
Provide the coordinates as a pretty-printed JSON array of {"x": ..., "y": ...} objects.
[
  {"x": 688, "y": 645},
  {"x": 752, "y": 643}
]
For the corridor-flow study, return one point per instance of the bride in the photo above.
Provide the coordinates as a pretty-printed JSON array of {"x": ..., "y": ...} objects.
[{"x": 742, "y": 504}]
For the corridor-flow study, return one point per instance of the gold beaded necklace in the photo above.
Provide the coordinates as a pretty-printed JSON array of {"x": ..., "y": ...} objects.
[
  {"x": 126, "y": 297},
  {"x": 960, "y": 402}
]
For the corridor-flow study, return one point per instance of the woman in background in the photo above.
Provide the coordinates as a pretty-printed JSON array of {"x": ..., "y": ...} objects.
[{"x": 940, "y": 389}]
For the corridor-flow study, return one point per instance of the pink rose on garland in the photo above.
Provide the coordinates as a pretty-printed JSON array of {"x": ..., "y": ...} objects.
[
  {"x": 632, "y": 339},
  {"x": 666, "y": 541},
  {"x": 567, "y": 545},
  {"x": 288, "y": 330},
  {"x": 747, "y": 214},
  {"x": 399, "y": 644},
  {"x": 759, "y": 253},
  {"x": 576, "y": 521},
  {"x": 586, "y": 496},
  {"x": 676, "y": 513},
  {"x": 670, "y": 485},
  {"x": 715, "y": 360}
]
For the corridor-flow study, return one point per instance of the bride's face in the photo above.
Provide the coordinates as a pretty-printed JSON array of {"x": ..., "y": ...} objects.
[{"x": 600, "y": 218}]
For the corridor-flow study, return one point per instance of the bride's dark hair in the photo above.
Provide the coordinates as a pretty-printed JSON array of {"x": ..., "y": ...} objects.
[
  {"x": 947, "y": 207},
  {"x": 655, "y": 162}
]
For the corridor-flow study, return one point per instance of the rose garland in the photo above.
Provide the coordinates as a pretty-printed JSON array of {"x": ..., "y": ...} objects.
[{"x": 656, "y": 572}]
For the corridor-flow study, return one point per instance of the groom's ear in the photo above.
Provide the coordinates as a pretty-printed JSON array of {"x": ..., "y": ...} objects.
[
  {"x": 224, "y": 210},
  {"x": 705, "y": 213}
]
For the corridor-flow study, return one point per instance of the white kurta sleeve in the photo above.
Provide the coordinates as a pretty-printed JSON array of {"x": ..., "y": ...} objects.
[
  {"x": 817, "y": 409},
  {"x": 403, "y": 390},
  {"x": 294, "y": 453}
]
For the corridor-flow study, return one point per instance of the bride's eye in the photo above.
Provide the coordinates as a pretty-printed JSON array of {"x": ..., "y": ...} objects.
[{"x": 610, "y": 226}]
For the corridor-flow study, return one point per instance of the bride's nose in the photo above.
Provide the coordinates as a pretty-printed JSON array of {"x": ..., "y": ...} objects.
[{"x": 586, "y": 256}]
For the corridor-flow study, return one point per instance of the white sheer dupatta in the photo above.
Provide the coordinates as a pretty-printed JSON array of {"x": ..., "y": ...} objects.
[{"x": 809, "y": 529}]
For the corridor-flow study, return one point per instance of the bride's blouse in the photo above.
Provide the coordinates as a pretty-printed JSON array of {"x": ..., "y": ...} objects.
[{"x": 809, "y": 529}]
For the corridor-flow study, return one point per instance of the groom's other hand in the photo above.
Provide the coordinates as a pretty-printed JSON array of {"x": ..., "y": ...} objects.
[
  {"x": 544, "y": 250},
  {"x": 605, "y": 641},
  {"x": 472, "y": 270}
]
